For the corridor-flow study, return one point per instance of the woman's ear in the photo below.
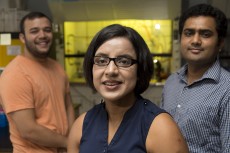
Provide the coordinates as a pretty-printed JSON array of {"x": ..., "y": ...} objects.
[{"x": 22, "y": 37}]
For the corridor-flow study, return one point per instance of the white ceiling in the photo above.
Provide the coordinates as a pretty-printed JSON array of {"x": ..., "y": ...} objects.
[{"x": 85, "y": 10}]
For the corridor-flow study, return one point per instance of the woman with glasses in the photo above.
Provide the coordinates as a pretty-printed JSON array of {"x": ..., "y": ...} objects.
[{"x": 119, "y": 66}]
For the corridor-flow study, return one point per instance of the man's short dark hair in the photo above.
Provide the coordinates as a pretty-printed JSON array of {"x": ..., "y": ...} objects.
[
  {"x": 31, "y": 16},
  {"x": 206, "y": 10}
]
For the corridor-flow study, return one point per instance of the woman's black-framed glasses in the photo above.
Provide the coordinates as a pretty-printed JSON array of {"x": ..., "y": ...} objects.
[{"x": 119, "y": 61}]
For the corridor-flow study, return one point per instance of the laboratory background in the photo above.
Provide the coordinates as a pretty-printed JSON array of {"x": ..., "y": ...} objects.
[{"x": 75, "y": 22}]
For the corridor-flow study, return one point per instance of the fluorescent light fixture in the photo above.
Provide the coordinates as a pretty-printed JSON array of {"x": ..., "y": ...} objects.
[{"x": 157, "y": 26}]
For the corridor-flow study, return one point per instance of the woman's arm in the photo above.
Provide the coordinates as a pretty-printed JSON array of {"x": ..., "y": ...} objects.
[
  {"x": 164, "y": 136},
  {"x": 69, "y": 110},
  {"x": 75, "y": 135},
  {"x": 30, "y": 130}
]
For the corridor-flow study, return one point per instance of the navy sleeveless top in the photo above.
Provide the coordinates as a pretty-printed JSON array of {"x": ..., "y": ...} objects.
[{"x": 131, "y": 134}]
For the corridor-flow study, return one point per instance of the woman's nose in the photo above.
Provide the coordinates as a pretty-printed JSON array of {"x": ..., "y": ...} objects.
[{"x": 111, "y": 68}]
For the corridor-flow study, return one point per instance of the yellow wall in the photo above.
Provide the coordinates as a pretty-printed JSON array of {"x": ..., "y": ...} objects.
[
  {"x": 4, "y": 57},
  {"x": 78, "y": 35}
]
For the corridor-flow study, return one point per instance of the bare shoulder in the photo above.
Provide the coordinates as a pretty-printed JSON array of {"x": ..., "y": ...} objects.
[
  {"x": 78, "y": 123},
  {"x": 81, "y": 117},
  {"x": 76, "y": 129},
  {"x": 165, "y": 136},
  {"x": 75, "y": 134}
]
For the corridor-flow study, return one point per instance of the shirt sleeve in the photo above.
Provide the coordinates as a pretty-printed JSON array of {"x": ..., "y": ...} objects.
[
  {"x": 225, "y": 124},
  {"x": 16, "y": 91}
]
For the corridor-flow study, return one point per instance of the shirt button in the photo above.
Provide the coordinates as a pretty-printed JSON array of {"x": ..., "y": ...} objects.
[{"x": 178, "y": 106}]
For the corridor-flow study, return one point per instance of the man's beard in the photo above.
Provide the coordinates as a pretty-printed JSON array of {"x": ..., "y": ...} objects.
[{"x": 35, "y": 52}]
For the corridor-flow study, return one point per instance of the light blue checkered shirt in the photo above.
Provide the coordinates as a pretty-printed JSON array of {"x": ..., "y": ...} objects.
[{"x": 202, "y": 109}]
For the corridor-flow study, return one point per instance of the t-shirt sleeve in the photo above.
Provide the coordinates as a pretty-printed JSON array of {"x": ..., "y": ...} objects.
[{"x": 16, "y": 91}]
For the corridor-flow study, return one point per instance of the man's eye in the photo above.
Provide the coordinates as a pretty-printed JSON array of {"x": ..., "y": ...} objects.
[
  {"x": 34, "y": 31},
  {"x": 48, "y": 30},
  {"x": 188, "y": 33},
  {"x": 206, "y": 34}
]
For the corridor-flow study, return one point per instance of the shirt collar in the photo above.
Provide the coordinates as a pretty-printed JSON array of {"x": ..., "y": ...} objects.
[{"x": 212, "y": 73}]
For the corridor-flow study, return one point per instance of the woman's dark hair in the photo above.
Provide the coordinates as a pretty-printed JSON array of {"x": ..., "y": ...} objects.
[
  {"x": 31, "y": 16},
  {"x": 206, "y": 10},
  {"x": 144, "y": 58}
]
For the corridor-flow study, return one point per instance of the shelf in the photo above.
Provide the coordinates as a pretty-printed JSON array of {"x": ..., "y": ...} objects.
[
  {"x": 74, "y": 55},
  {"x": 14, "y": 35}
]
